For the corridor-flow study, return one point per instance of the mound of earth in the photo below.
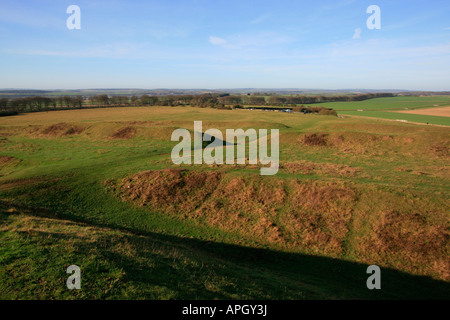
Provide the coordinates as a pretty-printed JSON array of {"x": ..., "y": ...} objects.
[
  {"x": 410, "y": 243},
  {"x": 318, "y": 217},
  {"x": 124, "y": 133},
  {"x": 291, "y": 212},
  {"x": 315, "y": 139},
  {"x": 359, "y": 143},
  {"x": 61, "y": 129}
]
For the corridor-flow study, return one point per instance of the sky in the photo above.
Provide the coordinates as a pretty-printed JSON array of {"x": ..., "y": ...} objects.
[{"x": 215, "y": 44}]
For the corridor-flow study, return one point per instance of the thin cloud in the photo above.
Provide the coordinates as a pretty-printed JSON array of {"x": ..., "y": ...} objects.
[
  {"x": 105, "y": 51},
  {"x": 217, "y": 41},
  {"x": 263, "y": 39},
  {"x": 260, "y": 19}
]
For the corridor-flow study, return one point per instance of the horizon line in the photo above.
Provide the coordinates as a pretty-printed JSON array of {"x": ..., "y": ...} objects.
[{"x": 224, "y": 89}]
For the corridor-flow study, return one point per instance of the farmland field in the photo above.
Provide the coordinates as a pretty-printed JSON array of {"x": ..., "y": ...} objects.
[
  {"x": 97, "y": 188},
  {"x": 389, "y": 108},
  {"x": 439, "y": 111},
  {"x": 390, "y": 104}
]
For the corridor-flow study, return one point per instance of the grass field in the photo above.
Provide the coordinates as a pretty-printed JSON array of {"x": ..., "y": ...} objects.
[
  {"x": 97, "y": 188},
  {"x": 391, "y": 104},
  {"x": 388, "y": 108}
]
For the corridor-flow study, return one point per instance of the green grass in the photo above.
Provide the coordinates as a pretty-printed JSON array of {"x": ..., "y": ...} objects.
[
  {"x": 444, "y": 121},
  {"x": 384, "y": 108},
  {"x": 119, "y": 264},
  {"x": 394, "y": 103},
  {"x": 58, "y": 209}
]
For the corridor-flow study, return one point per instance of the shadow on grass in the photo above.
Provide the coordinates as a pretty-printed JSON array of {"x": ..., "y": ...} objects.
[{"x": 321, "y": 277}]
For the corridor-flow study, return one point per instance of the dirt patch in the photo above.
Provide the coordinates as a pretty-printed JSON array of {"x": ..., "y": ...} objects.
[
  {"x": 124, "y": 133},
  {"x": 73, "y": 130},
  {"x": 440, "y": 150},
  {"x": 314, "y": 139},
  {"x": 6, "y": 160},
  {"x": 61, "y": 129}
]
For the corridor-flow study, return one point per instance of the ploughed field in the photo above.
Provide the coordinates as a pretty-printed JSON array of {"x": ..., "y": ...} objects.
[
  {"x": 97, "y": 188},
  {"x": 439, "y": 111}
]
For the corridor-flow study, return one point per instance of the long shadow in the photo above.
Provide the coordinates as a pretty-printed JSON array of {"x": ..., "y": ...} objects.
[{"x": 332, "y": 278}]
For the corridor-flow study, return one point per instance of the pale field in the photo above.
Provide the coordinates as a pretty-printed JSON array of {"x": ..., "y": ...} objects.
[
  {"x": 134, "y": 114},
  {"x": 440, "y": 111},
  {"x": 169, "y": 116}
]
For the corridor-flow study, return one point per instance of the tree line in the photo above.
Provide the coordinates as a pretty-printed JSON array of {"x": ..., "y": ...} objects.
[
  {"x": 209, "y": 100},
  {"x": 38, "y": 103}
]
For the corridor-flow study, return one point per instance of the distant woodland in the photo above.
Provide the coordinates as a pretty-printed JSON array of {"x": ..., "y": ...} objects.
[{"x": 11, "y": 106}]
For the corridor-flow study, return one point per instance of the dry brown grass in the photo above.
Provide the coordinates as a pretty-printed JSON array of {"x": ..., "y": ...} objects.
[
  {"x": 411, "y": 242},
  {"x": 314, "y": 139},
  {"x": 432, "y": 171},
  {"x": 308, "y": 167},
  {"x": 402, "y": 229},
  {"x": 346, "y": 142},
  {"x": 316, "y": 219},
  {"x": 124, "y": 133},
  {"x": 310, "y": 216},
  {"x": 61, "y": 129},
  {"x": 170, "y": 189},
  {"x": 7, "y": 164},
  {"x": 440, "y": 150},
  {"x": 375, "y": 143},
  {"x": 5, "y": 160},
  {"x": 440, "y": 111},
  {"x": 318, "y": 215},
  {"x": 31, "y": 225},
  {"x": 142, "y": 123}
]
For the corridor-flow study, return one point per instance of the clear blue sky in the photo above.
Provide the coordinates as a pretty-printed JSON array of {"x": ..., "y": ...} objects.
[{"x": 225, "y": 44}]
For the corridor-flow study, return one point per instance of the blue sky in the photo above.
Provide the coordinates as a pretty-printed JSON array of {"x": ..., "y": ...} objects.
[{"x": 225, "y": 44}]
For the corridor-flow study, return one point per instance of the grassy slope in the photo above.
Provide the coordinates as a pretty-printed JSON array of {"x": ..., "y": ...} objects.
[
  {"x": 66, "y": 177},
  {"x": 120, "y": 264}
]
